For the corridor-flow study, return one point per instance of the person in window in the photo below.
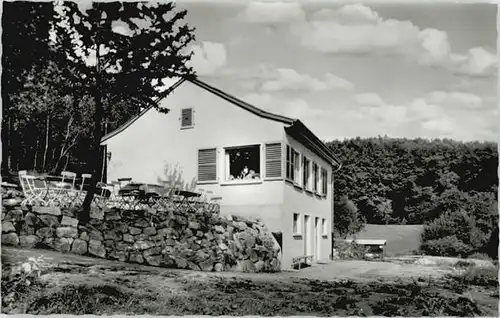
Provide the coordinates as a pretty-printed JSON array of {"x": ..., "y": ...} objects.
[{"x": 244, "y": 173}]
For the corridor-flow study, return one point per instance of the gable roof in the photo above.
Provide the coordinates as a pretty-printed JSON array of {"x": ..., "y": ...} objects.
[{"x": 296, "y": 129}]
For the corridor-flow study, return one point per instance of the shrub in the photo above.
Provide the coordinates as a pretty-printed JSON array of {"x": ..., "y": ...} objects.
[
  {"x": 453, "y": 234},
  {"x": 446, "y": 246},
  {"x": 480, "y": 256},
  {"x": 477, "y": 276},
  {"x": 18, "y": 280},
  {"x": 348, "y": 219},
  {"x": 351, "y": 251}
]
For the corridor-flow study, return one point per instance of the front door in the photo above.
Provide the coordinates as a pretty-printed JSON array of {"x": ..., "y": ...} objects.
[
  {"x": 307, "y": 235},
  {"x": 317, "y": 239}
]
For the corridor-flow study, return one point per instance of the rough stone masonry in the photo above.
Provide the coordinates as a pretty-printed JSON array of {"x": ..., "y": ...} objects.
[{"x": 200, "y": 240}]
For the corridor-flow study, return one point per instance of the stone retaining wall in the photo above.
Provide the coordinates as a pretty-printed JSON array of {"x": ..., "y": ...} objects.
[{"x": 198, "y": 240}]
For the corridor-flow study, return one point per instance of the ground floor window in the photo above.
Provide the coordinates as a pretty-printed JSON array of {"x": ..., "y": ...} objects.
[
  {"x": 296, "y": 224},
  {"x": 324, "y": 229},
  {"x": 243, "y": 163}
]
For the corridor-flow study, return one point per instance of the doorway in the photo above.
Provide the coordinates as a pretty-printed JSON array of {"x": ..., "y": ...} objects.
[
  {"x": 317, "y": 239},
  {"x": 307, "y": 235}
]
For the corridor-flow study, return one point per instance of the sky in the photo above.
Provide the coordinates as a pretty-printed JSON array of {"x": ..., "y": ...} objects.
[{"x": 348, "y": 70}]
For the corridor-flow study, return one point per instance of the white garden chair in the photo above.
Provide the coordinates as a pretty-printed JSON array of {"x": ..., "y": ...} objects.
[{"x": 34, "y": 189}]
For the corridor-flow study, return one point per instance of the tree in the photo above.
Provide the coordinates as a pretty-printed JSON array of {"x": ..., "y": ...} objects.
[
  {"x": 347, "y": 219},
  {"x": 55, "y": 117},
  {"x": 120, "y": 50},
  {"x": 24, "y": 41}
]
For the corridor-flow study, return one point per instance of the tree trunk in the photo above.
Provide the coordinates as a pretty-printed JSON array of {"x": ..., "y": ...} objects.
[
  {"x": 98, "y": 116},
  {"x": 36, "y": 153},
  {"x": 47, "y": 129},
  {"x": 6, "y": 129},
  {"x": 67, "y": 161}
]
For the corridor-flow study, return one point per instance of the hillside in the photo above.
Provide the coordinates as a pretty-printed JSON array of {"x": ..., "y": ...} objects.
[{"x": 403, "y": 181}]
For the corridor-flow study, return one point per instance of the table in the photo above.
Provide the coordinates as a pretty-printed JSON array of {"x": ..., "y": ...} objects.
[{"x": 152, "y": 194}]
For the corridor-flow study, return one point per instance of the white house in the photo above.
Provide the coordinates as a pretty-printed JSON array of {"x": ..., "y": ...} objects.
[{"x": 262, "y": 164}]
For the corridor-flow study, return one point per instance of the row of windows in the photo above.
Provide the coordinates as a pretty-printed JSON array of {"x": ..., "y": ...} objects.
[
  {"x": 297, "y": 225},
  {"x": 305, "y": 173},
  {"x": 243, "y": 164}
]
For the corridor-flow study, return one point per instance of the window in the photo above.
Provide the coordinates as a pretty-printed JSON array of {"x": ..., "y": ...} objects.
[
  {"x": 186, "y": 118},
  {"x": 296, "y": 224},
  {"x": 324, "y": 181},
  {"x": 292, "y": 165},
  {"x": 323, "y": 227},
  {"x": 243, "y": 163},
  {"x": 207, "y": 165},
  {"x": 315, "y": 177},
  {"x": 273, "y": 161},
  {"x": 306, "y": 172}
]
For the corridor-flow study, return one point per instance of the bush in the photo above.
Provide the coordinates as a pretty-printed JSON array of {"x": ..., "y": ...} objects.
[
  {"x": 453, "y": 234},
  {"x": 477, "y": 276},
  {"x": 351, "y": 251},
  {"x": 20, "y": 279},
  {"x": 348, "y": 219},
  {"x": 446, "y": 246},
  {"x": 480, "y": 256}
]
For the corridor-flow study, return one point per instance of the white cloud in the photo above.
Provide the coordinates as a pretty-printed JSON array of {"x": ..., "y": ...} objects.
[
  {"x": 272, "y": 12},
  {"x": 369, "y": 99},
  {"x": 208, "y": 57},
  {"x": 455, "y": 99},
  {"x": 290, "y": 79},
  {"x": 478, "y": 61},
  {"x": 291, "y": 107},
  {"x": 267, "y": 78},
  {"x": 356, "y": 28}
]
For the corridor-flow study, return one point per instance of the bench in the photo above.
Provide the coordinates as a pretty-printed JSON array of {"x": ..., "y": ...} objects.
[{"x": 300, "y": 259}]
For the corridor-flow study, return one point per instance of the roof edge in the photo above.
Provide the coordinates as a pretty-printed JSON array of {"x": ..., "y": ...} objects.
[
  {"x": 133, "y": 119},
  {"x": 313, "y": 140},
  {"x": 240, "y": 103}
]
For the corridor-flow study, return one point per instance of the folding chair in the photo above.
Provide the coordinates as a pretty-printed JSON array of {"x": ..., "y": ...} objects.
[
  {"x": 70, "y": 176},
  {"x": 32, "y": 192},
  {"x": 78, "y": 195}
]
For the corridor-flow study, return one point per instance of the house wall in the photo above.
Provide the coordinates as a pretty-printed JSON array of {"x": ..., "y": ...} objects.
[
  {"x": 297, "y": 200},
  {"x": 142, "y": 150}
]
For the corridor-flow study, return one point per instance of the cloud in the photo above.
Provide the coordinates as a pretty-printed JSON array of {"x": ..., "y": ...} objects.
[
  {"x": 267, "y": 78},
  {"x": 455, "y": 99},
  {"x": 272, "y": 12},
  {"x": 291, "y": 107},
  {"x": 208, "y": 57},
  {"x": 369, "y": 99},
  {"x": 290, "y": 79},
  {"x": 356, "y": 28}
]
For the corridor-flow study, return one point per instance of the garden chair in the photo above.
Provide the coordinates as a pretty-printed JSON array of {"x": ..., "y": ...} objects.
[
  {"x": 107, "y": 195},
  {"x": 34, "y": 189},
  {"x": 68, "y": 176},
  {"x": 77, "y": 194}
]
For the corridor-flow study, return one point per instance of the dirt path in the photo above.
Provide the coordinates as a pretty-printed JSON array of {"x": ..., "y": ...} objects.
[{"x": 354, "y": 270}]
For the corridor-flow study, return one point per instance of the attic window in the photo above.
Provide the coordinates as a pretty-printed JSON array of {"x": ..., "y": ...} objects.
[{"x": 186, "y": 118}]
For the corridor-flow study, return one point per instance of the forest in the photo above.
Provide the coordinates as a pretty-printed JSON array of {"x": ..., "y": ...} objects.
[{"x": 450, "y": 186}]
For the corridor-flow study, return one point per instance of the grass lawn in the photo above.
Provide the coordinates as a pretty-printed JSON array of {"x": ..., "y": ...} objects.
[
  {"x": 401, "y": 239},
  {"x": 87, "y": 286}
]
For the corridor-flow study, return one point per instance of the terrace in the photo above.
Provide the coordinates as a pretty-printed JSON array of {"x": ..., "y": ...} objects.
[{"x": 68, "y": 190}]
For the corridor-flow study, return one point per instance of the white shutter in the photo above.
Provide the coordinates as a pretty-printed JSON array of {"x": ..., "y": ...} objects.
[
  {"x": 273, "y": 160},
  {"x": 207, "y": 164}
]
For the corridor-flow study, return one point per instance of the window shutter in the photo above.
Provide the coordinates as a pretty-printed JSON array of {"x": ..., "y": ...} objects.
[
  {"x": 207, "y": 165},
  {"x": 187, "y": 117},
  {"x": 273, "y": 160}
]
